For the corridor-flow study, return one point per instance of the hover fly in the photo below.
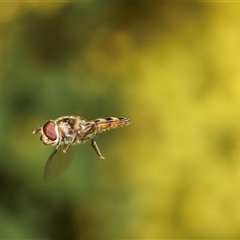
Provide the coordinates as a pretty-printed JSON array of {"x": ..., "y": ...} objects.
[{"x": 69, "y": 130}]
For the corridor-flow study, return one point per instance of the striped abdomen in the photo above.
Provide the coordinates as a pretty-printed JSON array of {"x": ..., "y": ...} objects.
[{"x": 103, "y": 124}]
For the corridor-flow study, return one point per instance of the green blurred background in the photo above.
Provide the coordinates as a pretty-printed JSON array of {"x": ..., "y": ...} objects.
[{"x": 172, "y": 68}]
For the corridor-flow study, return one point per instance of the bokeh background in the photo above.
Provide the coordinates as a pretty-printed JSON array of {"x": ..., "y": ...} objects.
[{"x": 172, "y": 68}]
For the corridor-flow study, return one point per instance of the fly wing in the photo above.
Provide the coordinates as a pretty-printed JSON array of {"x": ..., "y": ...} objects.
[{"x": 57, "y": 163}]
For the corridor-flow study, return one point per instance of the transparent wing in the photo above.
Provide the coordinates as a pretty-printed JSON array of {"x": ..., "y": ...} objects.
[{"x": 57, "y": 163}]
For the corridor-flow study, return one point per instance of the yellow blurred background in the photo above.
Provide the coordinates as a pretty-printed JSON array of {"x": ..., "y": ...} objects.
[{"x": 172, "y": 68}]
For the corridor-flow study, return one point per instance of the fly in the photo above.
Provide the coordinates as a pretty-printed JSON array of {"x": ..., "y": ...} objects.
[{"x": 70, "y": 130}]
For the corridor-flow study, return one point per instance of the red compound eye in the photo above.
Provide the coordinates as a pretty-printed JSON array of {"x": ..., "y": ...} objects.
[{"x": 49, "y": 130}]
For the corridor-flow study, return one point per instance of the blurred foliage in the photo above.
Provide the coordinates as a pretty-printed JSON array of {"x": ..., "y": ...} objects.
[{"x": 172, "y": 68}]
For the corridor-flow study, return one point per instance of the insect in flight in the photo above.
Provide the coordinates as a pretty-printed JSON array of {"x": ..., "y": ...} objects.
[{"x": 67, "y": 131}]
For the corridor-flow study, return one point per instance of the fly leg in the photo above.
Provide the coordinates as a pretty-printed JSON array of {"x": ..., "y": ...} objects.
[
  {"x": 57, "y": 146},
  {"x": 95, "y": 147},
  {"x": 68, "y": 146},
  {"x": 94, "y": 144}
]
